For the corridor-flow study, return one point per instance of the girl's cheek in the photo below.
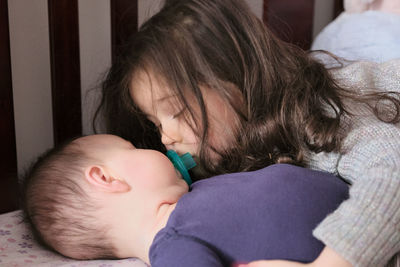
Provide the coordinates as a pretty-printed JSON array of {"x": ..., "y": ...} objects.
[
  {"x": 222, "y": 132},
  {"x": 188, "y": 134},
  {"x": 191, "y": 138}
]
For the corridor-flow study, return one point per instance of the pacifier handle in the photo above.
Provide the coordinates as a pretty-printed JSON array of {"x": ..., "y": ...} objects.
[{"x": 182, "y": 164}]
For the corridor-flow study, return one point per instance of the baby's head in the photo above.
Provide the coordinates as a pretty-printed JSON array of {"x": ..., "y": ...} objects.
[{"x": 92, "y": 197}]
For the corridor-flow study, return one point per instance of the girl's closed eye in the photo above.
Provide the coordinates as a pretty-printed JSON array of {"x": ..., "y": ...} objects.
[
  {"x": 179, "y": 113},
  {"x": 171, "y": 108},
  {"x": 172, "y": 117}
]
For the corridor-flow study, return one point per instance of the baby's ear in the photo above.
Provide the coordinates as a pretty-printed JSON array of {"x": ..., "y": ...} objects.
[{"x": 101, "y": 180}]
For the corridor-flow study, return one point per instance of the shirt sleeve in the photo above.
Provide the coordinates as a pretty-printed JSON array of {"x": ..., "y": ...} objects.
[
  {"x": 182, "y": 251},
  {"x": 365, "y": 228}
]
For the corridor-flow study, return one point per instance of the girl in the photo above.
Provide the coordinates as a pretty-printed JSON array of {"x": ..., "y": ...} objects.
[{"x": 207, "y": 77}]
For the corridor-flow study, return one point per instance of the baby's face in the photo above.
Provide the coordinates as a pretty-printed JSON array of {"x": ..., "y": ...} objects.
[
  {"x": 148, "y": 172},
  {"x": 137, "y": 186}
]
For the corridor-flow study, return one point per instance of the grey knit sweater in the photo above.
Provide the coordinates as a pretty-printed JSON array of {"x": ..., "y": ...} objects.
[{"x": 365, "y": 229}]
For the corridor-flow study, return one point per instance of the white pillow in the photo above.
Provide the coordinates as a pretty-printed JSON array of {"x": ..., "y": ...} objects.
[{"x": 369, "y": 36}]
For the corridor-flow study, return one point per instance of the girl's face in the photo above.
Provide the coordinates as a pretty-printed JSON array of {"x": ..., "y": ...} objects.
[{"x": 162, "y": 107}]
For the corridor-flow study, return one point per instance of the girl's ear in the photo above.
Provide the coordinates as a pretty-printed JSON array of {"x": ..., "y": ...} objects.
[{"x": 101, "y": 180}]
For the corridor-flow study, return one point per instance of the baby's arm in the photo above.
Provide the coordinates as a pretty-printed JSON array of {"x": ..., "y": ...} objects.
[{"x": 180, "y": 251}]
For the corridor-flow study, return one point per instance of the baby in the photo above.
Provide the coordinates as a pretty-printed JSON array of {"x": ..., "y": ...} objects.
[{"x": 100, "y": 197}]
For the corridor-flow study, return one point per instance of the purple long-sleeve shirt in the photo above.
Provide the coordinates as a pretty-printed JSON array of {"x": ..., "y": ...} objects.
[{"x": 241, "y": 217}]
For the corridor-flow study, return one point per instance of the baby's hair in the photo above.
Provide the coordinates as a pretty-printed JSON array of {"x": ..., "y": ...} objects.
[
  {"x": 286, "y": 101},
  {"x": 58, "y": 208}
]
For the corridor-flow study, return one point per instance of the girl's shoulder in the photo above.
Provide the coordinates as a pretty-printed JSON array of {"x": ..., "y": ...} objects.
[
  {"x": 368, "y": 143},
  {"x": 366, "y": 75}
]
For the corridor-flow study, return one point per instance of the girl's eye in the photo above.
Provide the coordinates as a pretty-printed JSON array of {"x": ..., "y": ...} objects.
[{"x": 176, "y": 115}]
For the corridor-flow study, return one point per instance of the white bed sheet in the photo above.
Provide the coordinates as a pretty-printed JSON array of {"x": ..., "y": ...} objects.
[{"x": 17, "y": 248}]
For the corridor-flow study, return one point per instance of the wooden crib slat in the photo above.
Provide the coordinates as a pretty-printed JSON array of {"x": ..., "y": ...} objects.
[
  {"x": 8, "y": 156},
  {"x": 65, "y": 69},
  {"x": 338, "y": 7},
  {"x": 124, "y": 22},
  {"x": 292, "y": 21}
]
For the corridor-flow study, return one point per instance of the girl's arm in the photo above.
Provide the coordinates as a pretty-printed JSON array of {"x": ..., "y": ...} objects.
[
  {"x": 327, "y": 258},
  {"x": 364, "y": 229}
]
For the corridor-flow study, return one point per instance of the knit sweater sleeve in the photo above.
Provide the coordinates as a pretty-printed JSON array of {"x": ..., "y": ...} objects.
[{"x": 365, "y": 229}]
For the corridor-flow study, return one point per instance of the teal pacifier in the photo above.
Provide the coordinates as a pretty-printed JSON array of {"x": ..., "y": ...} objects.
[{"x": 182, "y": 164}]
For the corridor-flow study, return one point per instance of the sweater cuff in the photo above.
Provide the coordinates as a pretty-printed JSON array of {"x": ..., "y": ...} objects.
[{"x": 364, "y": 229}]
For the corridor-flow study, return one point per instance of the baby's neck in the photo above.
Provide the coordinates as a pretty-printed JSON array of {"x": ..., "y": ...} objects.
[{"x": 163, "y": 214}]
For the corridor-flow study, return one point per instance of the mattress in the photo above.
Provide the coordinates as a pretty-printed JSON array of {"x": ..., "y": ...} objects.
[{"x": 18, "y": 248}]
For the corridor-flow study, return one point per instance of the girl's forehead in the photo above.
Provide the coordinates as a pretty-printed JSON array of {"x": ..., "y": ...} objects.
[
  {"x": 148, "y": 90},
  {"x": 147, "y": 85}
]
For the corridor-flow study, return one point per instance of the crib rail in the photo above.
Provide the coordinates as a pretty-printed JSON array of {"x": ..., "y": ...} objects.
[{"x": 8, "y": 157}]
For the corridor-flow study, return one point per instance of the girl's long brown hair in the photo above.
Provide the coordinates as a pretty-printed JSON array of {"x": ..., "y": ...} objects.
[{"x": 290, "y": 104}]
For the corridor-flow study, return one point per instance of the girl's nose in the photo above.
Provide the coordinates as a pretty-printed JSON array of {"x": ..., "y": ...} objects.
[{"x": 167, "y": 140}]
